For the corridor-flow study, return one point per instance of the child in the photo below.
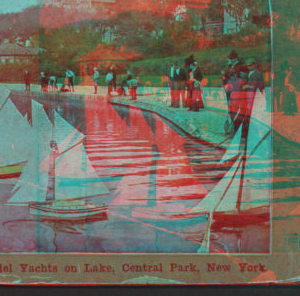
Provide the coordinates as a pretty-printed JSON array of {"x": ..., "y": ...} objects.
[{"x": 132, "y": 85}]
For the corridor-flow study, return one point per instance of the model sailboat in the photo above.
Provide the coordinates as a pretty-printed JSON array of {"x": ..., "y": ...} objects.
[
  {"x": 242, "y": 197},
  {"x": 59, "y": 177},
  {"x": 16, "y": 135}
]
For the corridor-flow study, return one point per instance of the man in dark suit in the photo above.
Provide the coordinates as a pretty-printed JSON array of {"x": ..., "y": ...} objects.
[
  {"x": 180, "y": 80},
  {"x": 255, "y": 82},
  {"x": 27, "y": 79},
  {"x": 229, "y": 75}
]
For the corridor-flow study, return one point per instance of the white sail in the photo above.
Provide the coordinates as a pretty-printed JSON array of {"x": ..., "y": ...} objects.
[
  {"x": 75, "y": 177},
  {"x": 32, "y": 185},
  {"x": 210, "y": 202},
  {"x": 233, "y": 149},
  {"x": 4, "y": 93},
  {"x": 15, "y": 134},
  {"x": 260, "y": 122},
  {"x": 230, "y": 198},
  {"x": 64, "y": 134},
  {"x": 258, "y": 177}
]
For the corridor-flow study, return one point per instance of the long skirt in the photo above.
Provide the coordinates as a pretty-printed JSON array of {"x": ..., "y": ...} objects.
[{"x": 197, "y": 100}]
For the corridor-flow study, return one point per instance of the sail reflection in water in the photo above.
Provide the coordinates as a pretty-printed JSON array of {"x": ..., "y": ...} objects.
[{"x": 124, "y": 180}]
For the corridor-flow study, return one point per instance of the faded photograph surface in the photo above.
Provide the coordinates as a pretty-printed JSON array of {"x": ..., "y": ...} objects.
[{"x": 138, "y": 126}]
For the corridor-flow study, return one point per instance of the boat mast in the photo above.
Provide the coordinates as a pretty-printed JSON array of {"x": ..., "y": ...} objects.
[{"x": 50, "y": 197}]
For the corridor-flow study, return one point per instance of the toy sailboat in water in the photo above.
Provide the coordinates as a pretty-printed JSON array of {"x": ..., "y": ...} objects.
[
  {"x": 16, "y": 135},
  {"x": 59, "y": 177},
  {"x": 242, "y": 197}
]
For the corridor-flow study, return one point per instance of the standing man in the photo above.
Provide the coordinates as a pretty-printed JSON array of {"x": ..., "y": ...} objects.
[
  {"x": 27, "y": 79},
  {"x": 96, "y": 78},
  {"x": 255, "y": 82},
  {"x": 71, "y": 76},
  {"x": 180, "y": 80},
  {"x": 232, "y": 71},
  {"x": 43, "y": 82}
]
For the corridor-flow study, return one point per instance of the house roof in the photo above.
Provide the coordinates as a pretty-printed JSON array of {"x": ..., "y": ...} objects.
[
  {"x": 17, "y": 50},
  {"x": 103, "y": 53}
]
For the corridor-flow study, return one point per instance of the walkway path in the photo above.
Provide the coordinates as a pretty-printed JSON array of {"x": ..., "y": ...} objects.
[{"x": 207, "y": 124}]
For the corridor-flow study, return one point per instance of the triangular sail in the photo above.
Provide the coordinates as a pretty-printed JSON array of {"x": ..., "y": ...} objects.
[
  {"x": 32, "y": 185},
  {"x": 258, "y": 169},
  {"x": 233, "y": 148},
  {"x": 75, "y": 178},
  {"x": 258, "y": 130},
  {"x": 16, "y": 136},
  {"x": 229, "y": 200},
  {"x": 209, "y": 203},
  {"x": 65, "y": 136}
]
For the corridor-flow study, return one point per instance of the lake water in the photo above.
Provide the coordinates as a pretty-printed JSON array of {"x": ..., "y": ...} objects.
[{"x": 148, "y": 165}]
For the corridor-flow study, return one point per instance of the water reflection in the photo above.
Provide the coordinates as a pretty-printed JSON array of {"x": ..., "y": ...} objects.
[{"x": 149, "y": 167}]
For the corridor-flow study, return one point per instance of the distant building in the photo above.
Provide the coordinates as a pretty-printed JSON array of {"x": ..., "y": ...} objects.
[
  {"x": 81, "y": 4},
  {"x": 103, "y": 57},
  {"x": 10, "y": 53}
]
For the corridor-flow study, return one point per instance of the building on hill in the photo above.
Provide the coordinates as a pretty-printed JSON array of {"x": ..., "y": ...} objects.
[
  {"x": 103, "y": 57},
  {"x": 11, "y": 53}
]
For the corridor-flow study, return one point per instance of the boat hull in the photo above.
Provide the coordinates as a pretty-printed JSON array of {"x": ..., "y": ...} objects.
[
  {"x": 12, "y": 171},
  {"x": 241, "y": 219},
  {"x": 68, "y": 213}
]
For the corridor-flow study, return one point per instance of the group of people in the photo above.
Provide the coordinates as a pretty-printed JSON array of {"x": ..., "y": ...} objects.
[
  {"x": 188, "y": 76},
  {"x": 111, "y": 81},
  {"x": 50, "y": 83},
  {"x": 241, "y": 80}
]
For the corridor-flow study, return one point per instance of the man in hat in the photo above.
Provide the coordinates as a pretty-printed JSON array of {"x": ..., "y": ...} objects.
[
  {"x": 255, "y": 82},
  {"x": 228, "y": 76},
  {"x": 27, "y": 79},
  {"x": 44, "y": 82},
  {"x": 180, "y": 80}
]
